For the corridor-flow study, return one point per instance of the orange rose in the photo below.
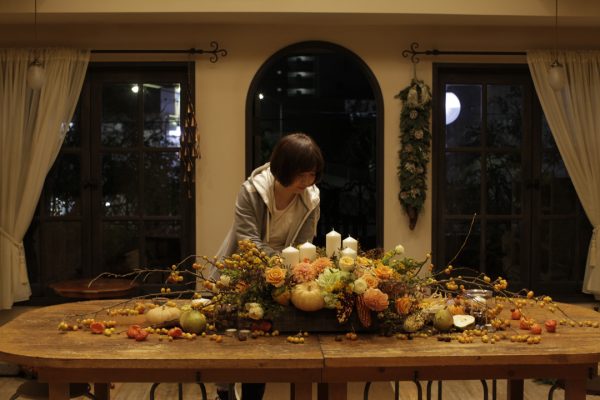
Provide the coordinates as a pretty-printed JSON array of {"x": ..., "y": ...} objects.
[
  {"x": 404, "y": 305},
  {"x": 376, "y": 300},
  {"x": 275, "y": 276},
  {"x": 383, "y": 272}
]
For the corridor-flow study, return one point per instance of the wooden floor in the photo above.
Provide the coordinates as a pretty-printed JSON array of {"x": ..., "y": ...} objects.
[{"x": 452, "y": 390}]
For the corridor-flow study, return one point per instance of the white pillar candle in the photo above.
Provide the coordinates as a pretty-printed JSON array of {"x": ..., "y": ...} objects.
[
  {"x": 308, "y": 251},
  {"x": 290, "y": 256},
  {"x": 350, "y": 242},
  {"x": 348, "y": 252},
  {"x": 333, "y": 242}
]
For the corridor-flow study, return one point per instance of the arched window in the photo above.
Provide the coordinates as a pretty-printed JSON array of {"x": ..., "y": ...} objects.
[{"x": 328, "y": 92}]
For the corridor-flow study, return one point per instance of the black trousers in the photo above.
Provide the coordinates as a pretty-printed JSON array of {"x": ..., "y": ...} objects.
[{"x": 250, "y": 391}]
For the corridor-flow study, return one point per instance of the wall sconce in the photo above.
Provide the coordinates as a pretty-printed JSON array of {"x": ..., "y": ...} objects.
[
  {"x": 556, "y": 76},
  {"x": 36, "y": 74}
]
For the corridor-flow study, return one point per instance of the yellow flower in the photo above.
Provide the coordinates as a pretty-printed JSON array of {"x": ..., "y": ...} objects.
[
  {"x": 372, "y": 280},
  {"x": 346, "y": 263}
]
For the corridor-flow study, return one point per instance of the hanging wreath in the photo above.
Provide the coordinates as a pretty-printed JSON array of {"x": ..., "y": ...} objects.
[{"x": 415, "y": 138}]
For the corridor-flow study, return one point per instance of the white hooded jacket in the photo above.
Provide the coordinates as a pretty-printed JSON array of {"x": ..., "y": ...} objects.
[{"x": 253, "y": 210}]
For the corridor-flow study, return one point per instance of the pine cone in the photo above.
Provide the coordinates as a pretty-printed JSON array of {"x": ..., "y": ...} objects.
[
  {"x": 364, "y": 313},
  {"x": 347, "y": 305}
]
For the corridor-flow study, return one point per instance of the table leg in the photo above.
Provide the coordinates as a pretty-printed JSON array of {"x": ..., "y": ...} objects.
[
  {"x": 575, "y": 389},
  {"x": 58, "y": 391},
  {"x": 102, "y": 391},
  {"x": 514, "y": 389},
  {"x": 337, "y": 391},
  {"x": 322, "y": 389},
  {"x": 301, "y": 391}
]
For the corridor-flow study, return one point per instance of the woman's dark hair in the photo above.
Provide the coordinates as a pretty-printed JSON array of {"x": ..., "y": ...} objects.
[{"x": 294, "y": 154}]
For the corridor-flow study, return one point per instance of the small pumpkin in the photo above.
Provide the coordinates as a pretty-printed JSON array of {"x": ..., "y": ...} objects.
[
  {"x": 281, "y": 295},
  {"x": 162, "y": 315},
  {"x": 192, "y": 321},
  {"x": 307, "y": 296}
]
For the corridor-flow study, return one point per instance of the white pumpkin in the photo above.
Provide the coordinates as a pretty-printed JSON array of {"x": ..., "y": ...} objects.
[
  {"x": 307, "y": 296},
  {"x": 162, "y": 314}
]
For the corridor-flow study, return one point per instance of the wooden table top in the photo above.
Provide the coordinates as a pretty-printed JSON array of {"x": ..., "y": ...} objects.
[{"x": 33, "y": 339}]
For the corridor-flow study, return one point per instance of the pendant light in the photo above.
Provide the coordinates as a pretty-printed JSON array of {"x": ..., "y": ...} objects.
[
  {"x": 556, "y": 75},
  {"x": 36, "y": 74}
]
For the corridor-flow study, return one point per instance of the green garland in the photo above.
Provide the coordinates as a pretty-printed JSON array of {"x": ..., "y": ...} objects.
[{"x": 415, "y": 137}]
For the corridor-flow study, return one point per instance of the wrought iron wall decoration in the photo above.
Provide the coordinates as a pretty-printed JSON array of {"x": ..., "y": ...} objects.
[
  {"x": 215, "y": 51},
  {"x": 413, "y": 53}
]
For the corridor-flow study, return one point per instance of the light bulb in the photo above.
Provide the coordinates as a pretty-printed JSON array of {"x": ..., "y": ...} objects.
[
  {"x": 557, "y": 76},
  {"x": 36, "y": 75}
]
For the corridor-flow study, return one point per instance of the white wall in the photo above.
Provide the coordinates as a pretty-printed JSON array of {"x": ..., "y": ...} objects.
[{"x": 221, "y": 91}]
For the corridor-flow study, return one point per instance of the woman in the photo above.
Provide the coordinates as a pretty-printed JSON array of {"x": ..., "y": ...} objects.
[{"x": 277, "y": 206}]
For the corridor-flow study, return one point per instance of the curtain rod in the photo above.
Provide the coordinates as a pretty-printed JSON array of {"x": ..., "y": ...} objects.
[
  {"x": 215, "y": 51},
  {"x": 413, "y": 53}
]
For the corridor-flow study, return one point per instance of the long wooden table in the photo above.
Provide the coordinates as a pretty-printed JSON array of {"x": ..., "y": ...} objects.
[{"x": 32, "y": 339}]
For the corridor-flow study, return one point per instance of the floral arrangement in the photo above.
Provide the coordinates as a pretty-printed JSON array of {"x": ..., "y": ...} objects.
[
  {"x": 386, "y": 290},
  {"x": 415, "y": 138}
]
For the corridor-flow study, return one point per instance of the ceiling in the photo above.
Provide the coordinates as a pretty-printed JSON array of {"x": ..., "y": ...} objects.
[{"x": 510, "y": 13}]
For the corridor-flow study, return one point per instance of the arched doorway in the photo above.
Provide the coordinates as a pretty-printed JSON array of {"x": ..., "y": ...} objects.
[{"x": 328, "y": 92}]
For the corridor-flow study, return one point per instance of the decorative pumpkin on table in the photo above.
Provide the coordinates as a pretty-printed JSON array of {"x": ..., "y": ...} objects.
[
  {"x": 307, "y": 296},
  {"x": 163, "y": 315}
]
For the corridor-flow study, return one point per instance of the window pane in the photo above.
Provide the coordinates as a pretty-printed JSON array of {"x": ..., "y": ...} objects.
[
  {"x": 558, "y": 195},
  {"x": 455, "y": 233},
  {"x": 162, "y": 115},
  {"x": 548, "y": 142},
  {"x": 62, "y": 239},
  {"x": 63, "y": 186},
  {"x": 558, "y": 250},
  {"x": 120, "y": 246},
  {"x": 162, "y": 192},
  {"x": 504, "y": 115},
  {"x": 120, "y": 184},
  {"x": 503, "y": 183},
  {"x": 465, "y": 130},
  {"x": 503, "y": 251},
  {"x": 163, "y": 243},
  {"x": 73, "y": 135},
  {"x": 462, "y": 186},
  {"x": 119, "y": 111}
]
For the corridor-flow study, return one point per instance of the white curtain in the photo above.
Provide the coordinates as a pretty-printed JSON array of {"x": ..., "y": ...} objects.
[
  {"x": 573, "y": 114},
  {"x": 32, "y": 129}
]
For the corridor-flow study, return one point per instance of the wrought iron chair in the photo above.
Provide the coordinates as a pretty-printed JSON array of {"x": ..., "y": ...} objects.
[{"x": 180, "y": 389}]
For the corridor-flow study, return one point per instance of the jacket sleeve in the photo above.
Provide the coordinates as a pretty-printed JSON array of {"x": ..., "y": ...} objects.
[
  {"x": 309, "y": 229},
  {"x": 249, "y": 219}
]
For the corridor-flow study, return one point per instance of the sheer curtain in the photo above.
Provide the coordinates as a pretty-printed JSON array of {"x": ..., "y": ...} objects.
[
  {"x": 573, "y": 115},
  {"x": 32, "y": 129}
]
